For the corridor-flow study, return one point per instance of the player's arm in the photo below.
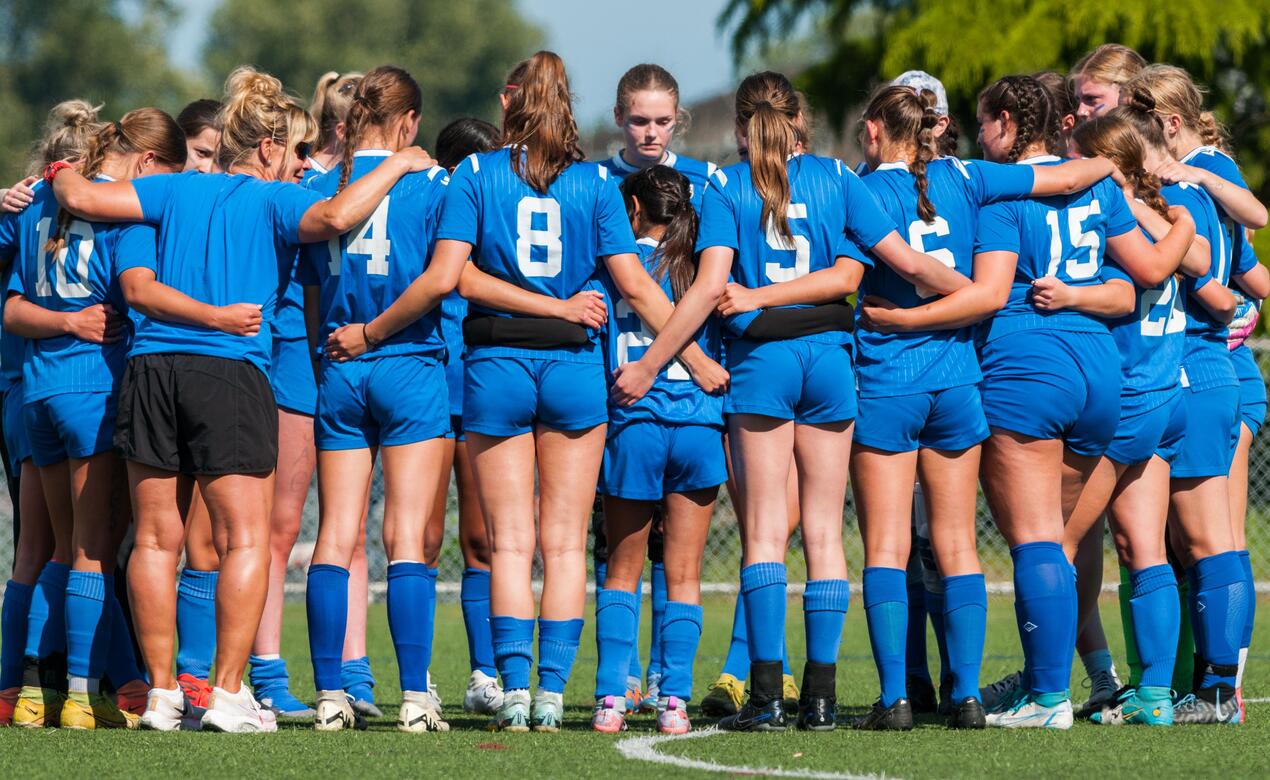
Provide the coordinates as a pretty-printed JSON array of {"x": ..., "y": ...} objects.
[
  {"x": 823, "y": 286},
  {"x": 1199, "y": 257},
  {"x": 1217, "y": 300},
  {"x": 1255, "y": 282},
  {"x": 1110, "y": 299},
  {"x": 1071, "y": 176},
  {"x": 1149, "y": 264},
  {"x": 99, "y": 323},
  {"x": 917, "y": 268},
  {"x": 585, "y": 308},
  {"x": 158, "y": 301},
  {"x": 994, "y": 274},
  {"x": 340, "y": 214},
  {"x": 1238, "y": 202},
  {"x": 103, "y": 201}
]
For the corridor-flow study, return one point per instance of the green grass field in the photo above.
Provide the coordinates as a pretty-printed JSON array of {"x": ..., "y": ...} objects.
[{"x": 930, "y": 751}]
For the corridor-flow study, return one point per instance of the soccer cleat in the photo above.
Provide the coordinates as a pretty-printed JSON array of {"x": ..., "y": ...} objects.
[
  {"x": 724, "y": 697},
  {"x": 513, "y": 716},
  {"x": 946, "y": 704},
  {"x": 1002, "y": 693},
  {"x": 608, "y": 718},
  {"x": 38, "y": 707},
  {"x": 1134, "y": 707},
  {"x": 197, "y": 691},
  {"x": 1028, "y": 713},
  {"x": 672, "y": 716},
  {"x": 765, "y": 709},
  {"x": 818, "y": 706},
  {"x": 921, "y": 695},
  {"x": 547, "y": 713},
  {"x": 652, "y": 697},
  {"x": 419, "y": 713},
  {"x": 237, "y": 713},
  {"x": 1103, "y": 687},
  {"x": 966, "y": 714},
  {"x": 897, "y": 717},
  {"x": 168, "y": 710},
  {"x": 789, "y": 691},
  {"x": 131, "y": 697},
  {"x": 8, "y": 698},
  {"x": 634, "y": 696},
  {"x": 1207, "y": 705},
  {"x": 432, "y": 691},
  {"x": 483, "y": 695},
  {"x": 335, "y": 713},
  {"x": 89, "y": 712},
  {"x": 283, "y": 704}
]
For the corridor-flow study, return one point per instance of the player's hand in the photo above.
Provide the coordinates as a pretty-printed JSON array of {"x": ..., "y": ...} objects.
[
  {"x": 1049, "y": 293},
  {"x": 19, "y": 196},
  {"x": 98, "y": 324},
  {"x": 1172, "y": 172},
  {"x": 737, "y": 299},
  {"x": 631, "y": 382},
  {"x": 346, "y": 343},
  {"x": 238, "y": 319},
  {"x": 1179, "y": 214},
  {"x": 708, "y": 374},
  {"x": 585, "y": 308},
  {"x": 415, "y": 159},
  {"x": 881, "y": 315}
]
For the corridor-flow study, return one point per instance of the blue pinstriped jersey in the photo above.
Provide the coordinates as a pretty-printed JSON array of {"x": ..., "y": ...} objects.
[{"x": 697, "y": 172}]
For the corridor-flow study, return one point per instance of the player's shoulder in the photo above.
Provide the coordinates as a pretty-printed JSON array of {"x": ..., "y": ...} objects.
[{"x": 695, "y": 170}]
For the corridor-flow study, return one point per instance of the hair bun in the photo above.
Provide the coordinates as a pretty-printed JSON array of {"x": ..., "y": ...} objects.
[
  {"x": 73, "y": 114},
  {"x": 1141, "y": 100}
]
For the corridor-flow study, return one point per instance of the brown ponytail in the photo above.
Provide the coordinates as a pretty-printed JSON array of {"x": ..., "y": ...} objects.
[
  {"x": 770, "y": 112},
  {"x": 382, "y": 95},
  {"x": 665, "y": 198},
  {"x": 1173, "y": 91},
  {"x": 1028, "y": 104},
  {"x": 539, "y": 120},
  {"x": 909, "y": 118},
  {"x": 332, "y": 98},
  {"x": 1114, "y": 135}
]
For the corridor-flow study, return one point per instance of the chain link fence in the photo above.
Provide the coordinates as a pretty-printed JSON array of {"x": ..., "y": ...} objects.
[{"x": 723, "y": 548}]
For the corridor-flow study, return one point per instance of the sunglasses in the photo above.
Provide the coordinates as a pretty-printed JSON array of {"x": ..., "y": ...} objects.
[{"x": 302, "y": 150}]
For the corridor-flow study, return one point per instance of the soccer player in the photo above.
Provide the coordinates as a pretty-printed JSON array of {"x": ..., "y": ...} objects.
[
  {"x": 921, "y": 416},
  {"x": 1051, "y": 380},
  {"x": 456, "y": 141},
  {"x": 200, "y": 121},
  {"x": 386, "y": 396},
  {"x": 228, "y": 237},
  {"x": 785, "y": 226},
  {"x": 1099, "y": 76},
  {"x": 666, "y": 448}
]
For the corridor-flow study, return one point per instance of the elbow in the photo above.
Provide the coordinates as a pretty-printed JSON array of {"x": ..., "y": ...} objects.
[
  {"x": 1259, "y": 219},
  {"x": 1226, "y": 312},
  {"x": 1152, "y": 278}
]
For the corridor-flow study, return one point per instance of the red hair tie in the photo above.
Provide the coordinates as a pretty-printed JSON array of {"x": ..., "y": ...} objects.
[{"x": 54, "y": 168}]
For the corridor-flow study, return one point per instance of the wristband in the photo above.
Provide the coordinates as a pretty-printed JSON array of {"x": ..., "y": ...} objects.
[
  {"x": 54, "y": 168},
  {"x": 370, "y": 344}
]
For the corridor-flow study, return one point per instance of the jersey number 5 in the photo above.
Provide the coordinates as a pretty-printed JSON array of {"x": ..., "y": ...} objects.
[{"x": 799, "y": 245}]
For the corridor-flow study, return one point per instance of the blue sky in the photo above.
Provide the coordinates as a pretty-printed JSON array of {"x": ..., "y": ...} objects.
[{"x": 594, "y": 39}]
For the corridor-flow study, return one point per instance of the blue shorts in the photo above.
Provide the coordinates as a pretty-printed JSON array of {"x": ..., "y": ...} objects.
[
  {"x": 949, "y": 420},
  {"x": 804, "y": 381},
  {"x": 1212, "y": 431},
  {"x": 645, "y": 461},
  {"x": 1051, "y": 384},
  {"x": 1171, "y": 442},
  {"x": 1144, "y": 425},
  {"x": 383, "y": 401},
  {"x": 70, "y": 425},
  {"x": 15, "y": 438},
  {"x": 1252, "y": 389},
  {"x": 508, "y": 396},
  {"x": 291, "y": 376}
]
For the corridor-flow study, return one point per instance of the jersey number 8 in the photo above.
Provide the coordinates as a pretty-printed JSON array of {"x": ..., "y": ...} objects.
[{"x": 547, "y": 237}]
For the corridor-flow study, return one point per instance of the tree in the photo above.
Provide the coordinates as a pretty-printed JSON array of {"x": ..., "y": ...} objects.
[
  {"x": 458, "y": 52},
  {"x": 104, "y": 51}
]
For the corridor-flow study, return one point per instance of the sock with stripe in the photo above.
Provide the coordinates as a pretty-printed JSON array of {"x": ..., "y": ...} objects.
[{"x": 1219, "y": 612}]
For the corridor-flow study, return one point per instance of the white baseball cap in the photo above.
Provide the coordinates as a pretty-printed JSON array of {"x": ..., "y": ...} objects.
[{"x": 918, "y": 80}]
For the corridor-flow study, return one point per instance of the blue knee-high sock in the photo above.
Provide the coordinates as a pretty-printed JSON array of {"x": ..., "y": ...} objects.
[
  {"x": 46, "y": 620},
  {"x": 737, "y": 662},
  {"x": 196, "y": 622},
  {"x": 88, "y": 625},
  {"x": 1156, "y": 622},
  {"x": 474, "y": 593},
  {"x": 656, "y": 658},
  {"x": 763, "y": 588},
  {"x": 13, "y": 620},
  {"x": 1045, "y": 601},
  {"x": 936, "y": 607},
  {"x": 557, "y": 648},
  {"x": 965, "y": 618},
  {"x": 410, "y": 611},
  {"x": 513, "y": 640},
  {"x": 915, "y": 663},
  {"x": 886, "y": 612},
  {"x": 1220, "y": 606},
  {"x": 824, "y": 610},
  {"x": 635, "y": 668},
  {"x": 122, "y": 665},
  {"x": 616, "y": 634},
  {"x": 1246, "y": 560},
  {"x": 680, "y": 635},
  {"x": 326, "y": 599},
  {"x": 357, "y": 678}
]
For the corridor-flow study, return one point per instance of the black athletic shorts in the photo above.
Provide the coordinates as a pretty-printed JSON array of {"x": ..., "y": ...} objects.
[{"x": 197, "y": 414}]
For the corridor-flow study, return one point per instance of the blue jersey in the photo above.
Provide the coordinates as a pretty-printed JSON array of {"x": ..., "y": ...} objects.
[
  {"x": 1151, "y": 338},
  {"x": 223, "y": 239},
  {"x": 288, "y": 319},
  {"x": 697, "y": 172},
  {"x": 362, "y": 272},
  {"x": 922, "y": 361},
  {"x": 831, "y": 214},
  {"x": 1062, "y": 236},
  {"x": 1240, "y": 253},
  {"x": 546, "y": 242},
  {"x": 674, "y": 398},
  {"x": 82, "y": 273}
]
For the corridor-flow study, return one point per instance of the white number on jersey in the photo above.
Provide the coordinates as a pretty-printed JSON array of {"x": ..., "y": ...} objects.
[
  {"x": 626, "y": 339},
  {"x": 1077, "y": 268},
  {"x": 370, "y": 238},
  {"x": 800, "y": 246},
  {"x": 65, "y": 287},
  {"x": 528, "y": 237},
  {"x": 1161, "y": 310},
  {"x": 917, "y": 231}
]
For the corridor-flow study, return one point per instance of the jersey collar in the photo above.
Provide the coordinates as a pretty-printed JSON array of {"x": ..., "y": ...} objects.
[
  {"x": 103, "y": 177},
  {"x": 1040, "y": 158},
  {"x": 648, "y": 241},
  {"x": 1192, "y": 154},
  {"x": 899, "y": 165},
  {"x": 372, "y": 153},
  {"x": 318, "y": 167},
  {"x": 617, "y": 161}
]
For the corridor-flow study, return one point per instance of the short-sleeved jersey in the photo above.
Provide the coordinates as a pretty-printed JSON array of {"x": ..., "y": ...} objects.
[
  {"x": 223, "y": 239},
  {"x": 924, "y": 361},
  {"x": 546, "y": 242},
  {"x": 82, "y": 273},
  {"x": 288, "y": 320},
  {"x": 697, "y": 172},
  {"x": 1151, "y": 338},
  {"x": 831, "y": 214},
  {"x": 361, "y": 273},
  {"x": 674, "y": 398},
  {"x": 1062, "y": 236},
  {"x": 12, "y": 346},
  {"x": 1240, "y": 254}
]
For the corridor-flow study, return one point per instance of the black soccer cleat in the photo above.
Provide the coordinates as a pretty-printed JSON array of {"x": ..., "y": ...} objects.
[
  {"x": 967, "y": 714},
  {"x": 897, "y": 717},
  {"x": 921, "y": 695},
  {"x": 946, "y": 704},
  {"x": 764, "y": 710},
  {"x": 818, "y": 704}
]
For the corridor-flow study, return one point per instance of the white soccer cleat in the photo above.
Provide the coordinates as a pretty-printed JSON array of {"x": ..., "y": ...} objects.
[
  {"x": 237, "y": 713},
  {"x": 483, "y": 696},
  {"x": 432, "y": 691},
  {"x": 419, "y": 713},
  {"x": 165, "y": 711},
  {"x": 1028, "y": 713},
  {"x": 334, "y": 712}
]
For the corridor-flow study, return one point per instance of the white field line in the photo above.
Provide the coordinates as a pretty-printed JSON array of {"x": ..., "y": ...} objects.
[{"x": 645, "y": 749}]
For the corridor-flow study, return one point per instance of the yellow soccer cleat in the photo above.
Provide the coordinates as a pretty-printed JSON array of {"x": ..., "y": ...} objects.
[
  {"x": 37, "y": 708},
  {"x": 724, "y": 697},
  {"x": 88, "y": 712},
  {"x": 790, "y": 694}
]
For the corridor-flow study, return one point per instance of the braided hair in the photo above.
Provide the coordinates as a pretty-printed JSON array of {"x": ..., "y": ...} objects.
[
  {"x": 1028, "y": 103},
  {"x": 382, "y": 95},
  {"x": 909, "y": 117}
]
